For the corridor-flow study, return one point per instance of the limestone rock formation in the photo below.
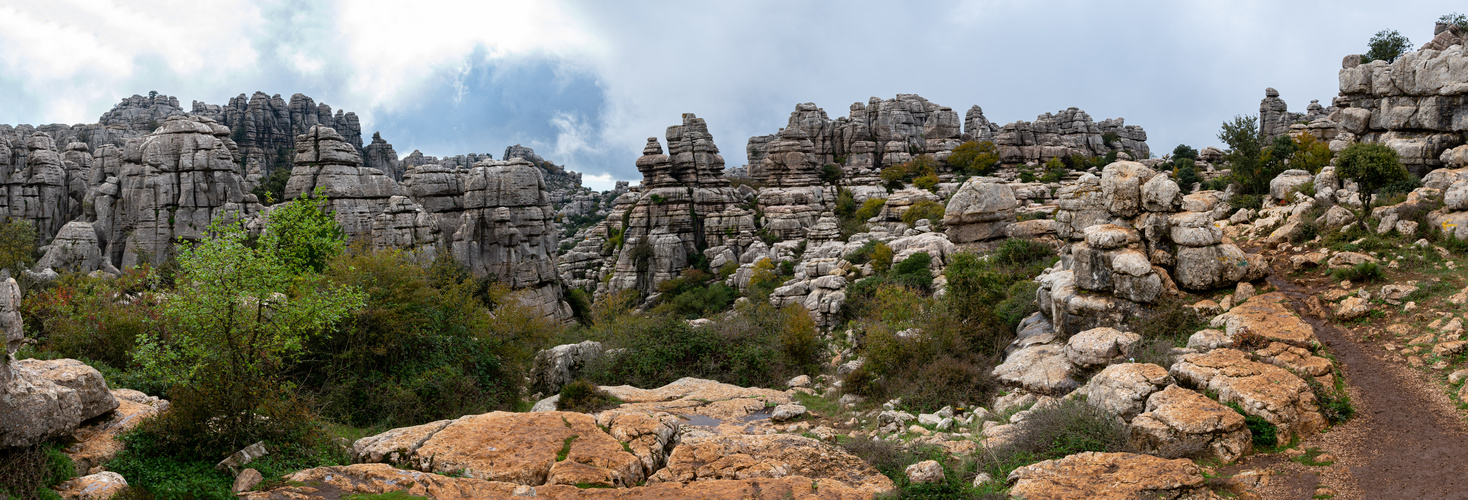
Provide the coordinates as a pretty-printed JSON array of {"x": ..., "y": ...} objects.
[
  {"x": 1262, "y": 390},
  {"x": 326, "y": 163},
  {"x": 1180, "y": 423},
  {"x": 1069, "y": 132},
  {"x": 703, "y": 458},
  {"x": 266, "y": 126},
  {"x": 1131, "y": 245},
  {"x": 506, "y": 231},
  {"x": 1416, "y": 104},
  {"x": 380, "y": 155},
  {"x": 170, "y": 186},
  {"x": 41, "y": 400}
]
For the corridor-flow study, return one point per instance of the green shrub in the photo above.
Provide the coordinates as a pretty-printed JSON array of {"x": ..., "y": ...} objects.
[
  {"x": 1054, "y": 170},
  {"x": 756, "y": 344},
  {"x": 1245, "y": 155},
  {"x": 95, "y": 319},
  {"x": 974, "y": 158},
  {"x": 881, "y": 257},
  {"x": 1372, "y": 165},
  {"x": 1311, "y": 154},
  {"x": 272, "y": 188},
  {"x": 1240, "y": 201},
  {"x": 17, "y": 245},
  {"x": 303, "y": 235},
  {"x": 427, "y": 344},
  {"x": 1183, "y": 151},
  {"x": 28, "y": 472},
  {"x": 831, "y": 173},
  {"x": 1386, "y": 45},
  {"x": 1455, "y": 19},
  {"x": 870, "y": 208},
  {"x": 927, "y": 182},
  {"x": 1068, "y": 427},
  {"x": 931, "y": 210},
  {"x": 584, "y": 397},
  {"x": 1365, "y": 272},
  {"x": 1187, "y": 174},
  {"x": 1265, "y": 435}
]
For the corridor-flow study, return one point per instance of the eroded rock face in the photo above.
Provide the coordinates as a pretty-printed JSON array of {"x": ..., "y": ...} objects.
[
  {"x": 326, "y": 163},
  {"x": 558, "y": 366},
  {"x": 170, "y": 186},
  {"x": 1123, "y": 389},
  {"x": 1412, "y": 104},
  {"x": 1263, "y": 390},
  {"x": 266, "y": 125},
  {"x": 75, "y": 249},
  {"x": 1119, "y": 476},
  {"x": 48, "y": 399},
  {"x": 506, "y": 231},
  {"x": 1180, "y": 423}
]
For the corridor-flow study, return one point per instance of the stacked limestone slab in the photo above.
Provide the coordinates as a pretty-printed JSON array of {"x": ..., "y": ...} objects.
[{"x": 1132, "y": 243}]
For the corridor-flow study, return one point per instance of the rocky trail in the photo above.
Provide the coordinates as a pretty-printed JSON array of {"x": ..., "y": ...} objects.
[{"x": 1406, "y": 440}]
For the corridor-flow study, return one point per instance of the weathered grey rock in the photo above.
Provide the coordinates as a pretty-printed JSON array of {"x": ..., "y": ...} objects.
[
  {"x": 559, "y": 365},
  {"x": 243, "y": 457},
  {"x": 1122, "y": 389},
  {"x": 42, "y": 400},
  {"x": 1283, "y": 184},
  {"x": 1041, "y": 369},
  {"x": 325, "y": 163},
  {"x": 380, "y": 155},
  {"x": 1099, "y": 346},
  {"x": 927, "y": 471},
  {"x": 75, "y": 249},
  {"x": 403, "y": 225},
  {"x": 1263, "y": 390},
  {"x": 981, "y": 210},
  {"x": 1121, "y": 186},
  {"x": 1207, "y": 268},
  {"x": 1181, "y": 423},
  {"x": 170, "y": 186},
  {"x": 506, "y": 231},
  {"x": 10, "y": 322}
]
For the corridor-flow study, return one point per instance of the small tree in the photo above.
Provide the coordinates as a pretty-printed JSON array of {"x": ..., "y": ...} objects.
[
  {"x": 1386, "y": 45},
  {"x": 1184, "y": 151},
  {"x": 239, "y": 316},
  {"x": 1187, "y": 174},
  {"x": 1244, "y": 151},
  {"x": 1372, "y": 165},
  {"x": 1455, "y": 19},
  {"x": 17, "y": 245},
  {"x": 303, "y": 234},
  {"x": 976, "y": 158},
  {"x": 1311, "y": 154}
]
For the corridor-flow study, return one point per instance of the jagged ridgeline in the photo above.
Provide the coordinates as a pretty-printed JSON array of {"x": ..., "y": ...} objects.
[{"x": 121, "y": 191}]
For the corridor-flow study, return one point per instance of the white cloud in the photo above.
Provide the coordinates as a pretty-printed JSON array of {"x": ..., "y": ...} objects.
[{"x": 76, "y": 56}]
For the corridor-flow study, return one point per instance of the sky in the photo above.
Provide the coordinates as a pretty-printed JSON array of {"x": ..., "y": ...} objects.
[{"x": 586, "y": 82}]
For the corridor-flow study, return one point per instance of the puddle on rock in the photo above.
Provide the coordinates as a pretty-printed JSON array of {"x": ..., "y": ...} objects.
[
  {"x": 702, "y": 421},
  {"x": 762, "y": 414}
]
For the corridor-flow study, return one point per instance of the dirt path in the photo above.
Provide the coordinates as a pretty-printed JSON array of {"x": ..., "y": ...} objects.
[{"x": 1406, "y": 440}]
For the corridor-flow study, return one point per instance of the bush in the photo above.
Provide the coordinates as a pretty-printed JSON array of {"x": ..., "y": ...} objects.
[
  {"x": 974, "y": 158},
  {"x": 1310, "y": 154},
  {"x": 1054, "y": 170},
  {"x": 240, "y": 317},
  {"x": 920, "y": 166},
  {"x": 1245, "y": 155},
  {"x": 17, "y": 245},
  {"x": 1184, "y": 151},
  {"x": 1372, "y": 165},
  {"x": 95, "y": 319},
  {"x": 1065, "y": 428},
  {"x": 927, "y": 182},
  {"x": 28, "y": 472},
  {"x": 272, "y": 188},
  {"x": 881, "y": 257},
  {"x": 931, "y": 210},
  {"x": 1169, "y": 320},
  {"x": 1386, "y": 45},
  {"x": 1265, "y": 435},
  {"x": 755, "y": 345},
  {"x": 302, "y": 234},
  {"x": 870, "y": 208},
  {"x": 1187, "y": 174},
  {"x": 1365, "y": 272},
  {"x": 831, "y": 173},
  {"x": 584, "y": 397},
  {"x": 1455, "y": 19}
]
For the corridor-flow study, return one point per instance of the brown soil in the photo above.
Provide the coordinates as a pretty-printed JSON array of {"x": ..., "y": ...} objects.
[{"x": 1406, "y": 440}]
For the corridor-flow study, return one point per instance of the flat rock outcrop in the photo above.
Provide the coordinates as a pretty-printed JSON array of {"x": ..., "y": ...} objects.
[
  {"x": 702, "y": 458},
  {"x": 1180, "y": 423},
  {"x": 1118, "y": 476},
  {"x": 1262, "y": 390},
  {"x": 382, "y": 478}
]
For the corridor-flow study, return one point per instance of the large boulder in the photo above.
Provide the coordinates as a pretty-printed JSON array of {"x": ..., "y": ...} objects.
[
  {"x": 558, "y": 366},
  {"x": 981, "y": 210},
  {"x": 1180, "y": 423},
  {"x": 1268, "y": 316},
  {"x": 1288, "y": 181},
  {"x": 45, "y": 399},
  {"x": 1123, "y": 388},
  {"x": 1041, "y": 369},
  {"x": 368, "y": 479}
]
